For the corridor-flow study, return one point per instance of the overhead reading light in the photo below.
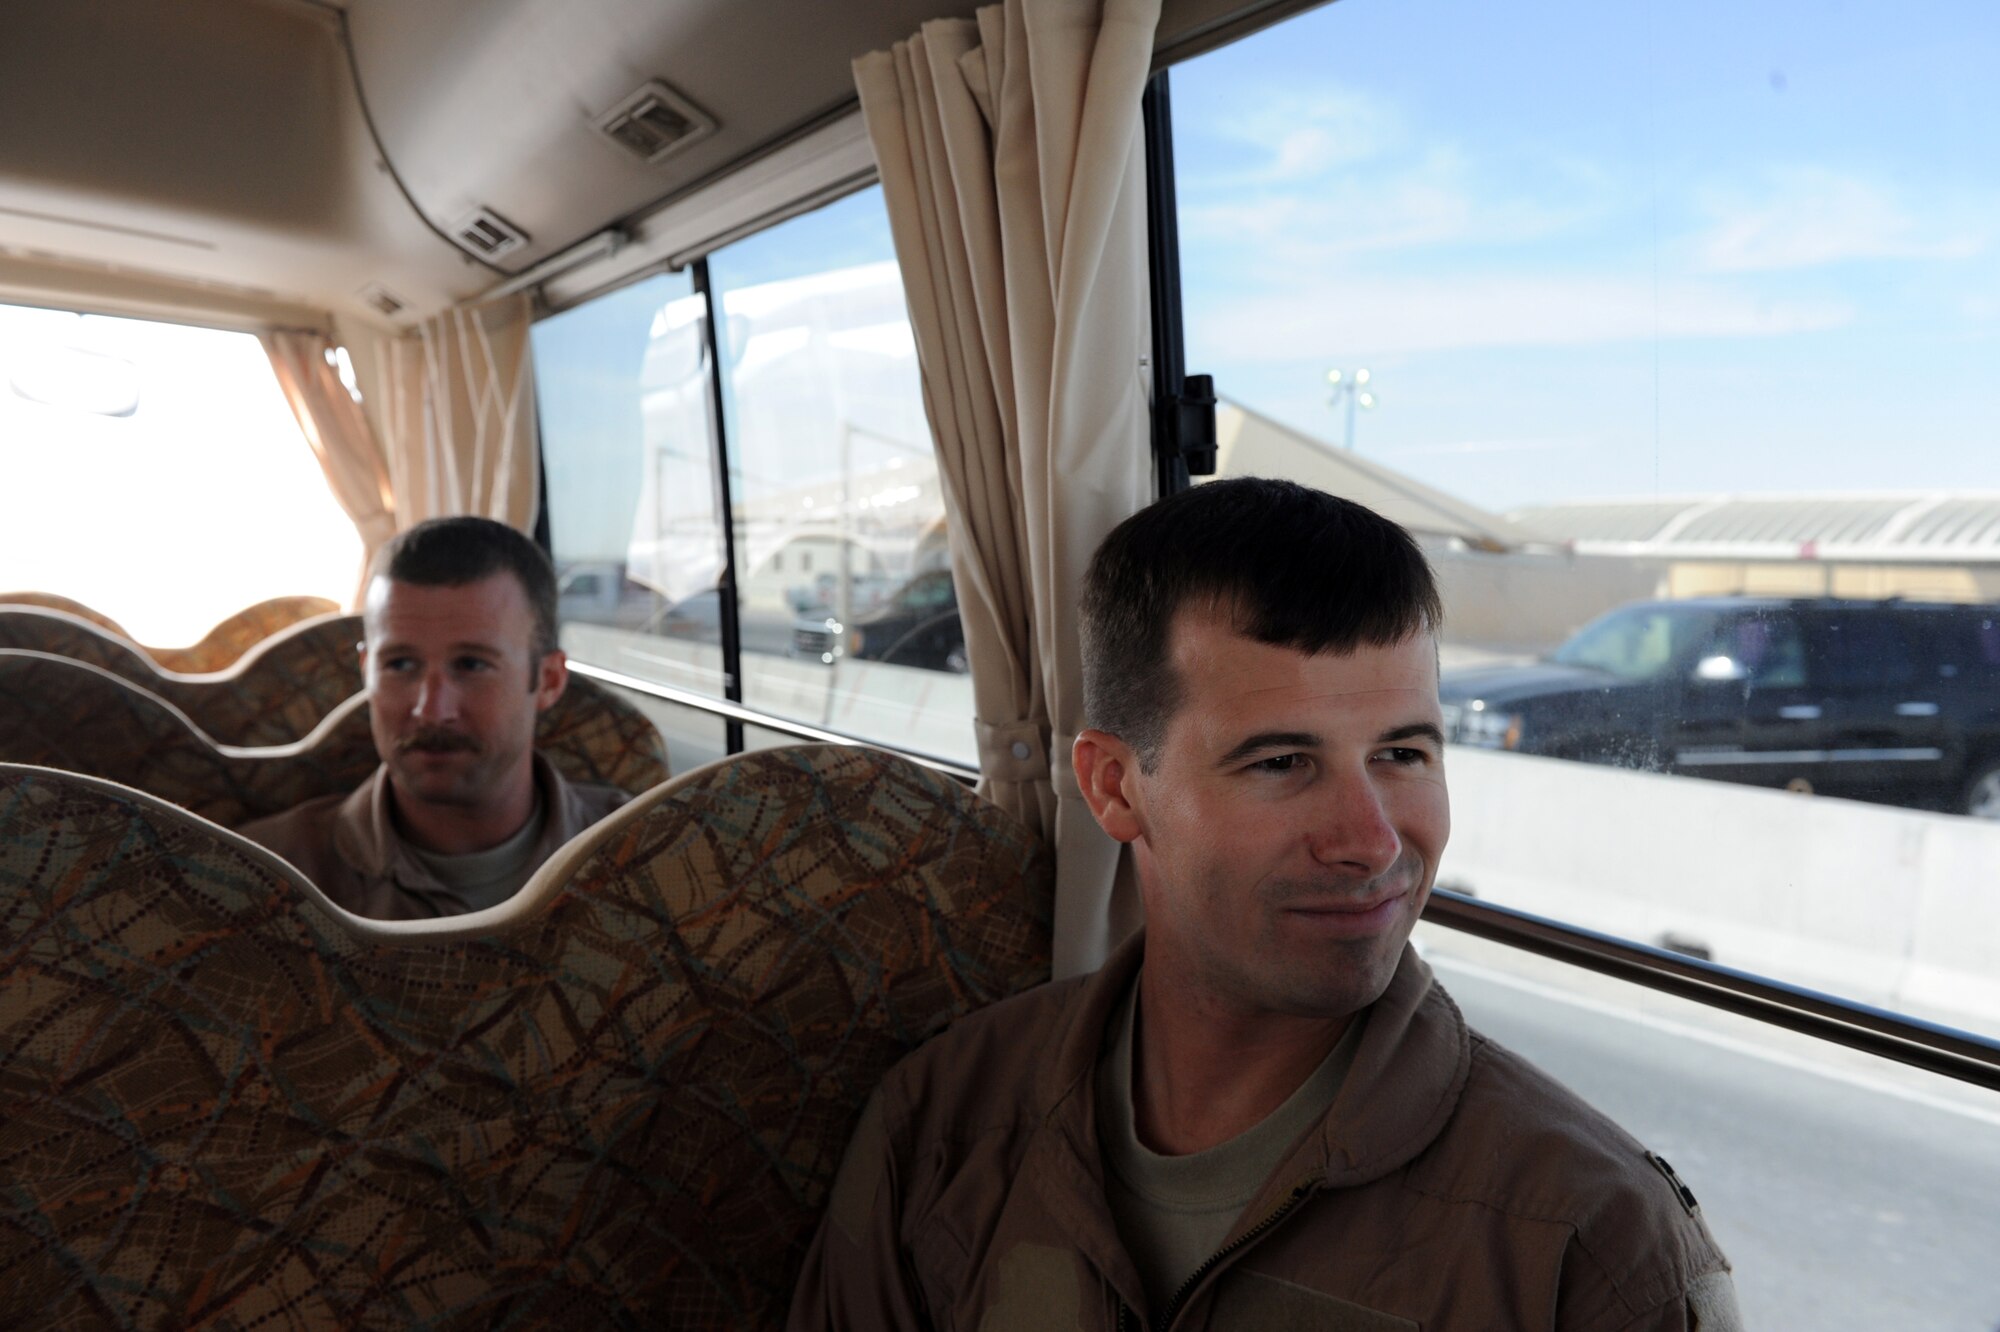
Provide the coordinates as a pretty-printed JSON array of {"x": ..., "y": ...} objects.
[
  {"x": 655, "y": 122},
  {"x": 487, "y": 234},
  {"x": 383, "y": 301}
]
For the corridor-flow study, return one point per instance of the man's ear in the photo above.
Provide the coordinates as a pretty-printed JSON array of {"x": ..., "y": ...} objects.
[
  {"x": 551, "y": 678},
  {"x": 1107, "y": 770}
]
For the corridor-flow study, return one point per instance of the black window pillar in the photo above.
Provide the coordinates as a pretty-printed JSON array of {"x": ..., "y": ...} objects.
[
  {"x": 725, "y": 588},
  {"x": 1183, "y": 404}
]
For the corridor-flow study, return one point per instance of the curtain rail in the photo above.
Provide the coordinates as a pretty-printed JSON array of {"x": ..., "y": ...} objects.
[{"x": 1959, "y": 1055}]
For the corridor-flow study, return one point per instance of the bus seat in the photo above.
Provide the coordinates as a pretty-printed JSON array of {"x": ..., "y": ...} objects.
[
  {"x": 57, "y": 712},
  {"x": 593, "y": 735},
  {"x": 50, "y": 601},
  {"x": 221, "y": 646},
  {"x": 618, "y": 1099},
  {"x": 274, "y": 694}
]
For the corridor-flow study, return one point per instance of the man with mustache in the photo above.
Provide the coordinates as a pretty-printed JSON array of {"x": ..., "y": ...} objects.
[
  {"x": 460, "y": 659},
  {"x": 1262, "y": 1111}
]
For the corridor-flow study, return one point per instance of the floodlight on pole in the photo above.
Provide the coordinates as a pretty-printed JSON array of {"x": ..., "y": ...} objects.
[{"x": 1351, "y": 388}]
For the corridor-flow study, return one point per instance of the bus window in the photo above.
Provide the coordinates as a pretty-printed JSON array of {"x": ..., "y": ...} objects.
[
  {"x": 1656, "y": 341},
  {"x": 156, "y": 474},
  {"x": 848, "y": 616},
  {"x": 622, "y": 383}
]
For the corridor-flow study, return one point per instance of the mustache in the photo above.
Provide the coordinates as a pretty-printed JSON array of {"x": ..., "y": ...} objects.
[{"x": 437, "y": 740}]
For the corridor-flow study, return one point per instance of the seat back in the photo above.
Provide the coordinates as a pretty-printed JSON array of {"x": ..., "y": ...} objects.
[
  {"x": 275, "y": 694},
  {"x": 616, "y": 1100},
  {"x": 50, "y": 601},
  {"x": 221, "y": 646},
  {"x": 59, "y": 713}
]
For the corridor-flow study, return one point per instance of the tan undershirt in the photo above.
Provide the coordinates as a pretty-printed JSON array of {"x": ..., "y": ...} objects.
[
  {"x": 487, "y": 878},
  {"x": 1174, "y": 1212}
]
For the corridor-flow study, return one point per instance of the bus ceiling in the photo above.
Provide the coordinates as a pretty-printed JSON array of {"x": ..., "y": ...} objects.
[{"x": 376, "y": 160}]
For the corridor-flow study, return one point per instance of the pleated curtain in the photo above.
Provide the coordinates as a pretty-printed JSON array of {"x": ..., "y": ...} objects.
[
  {"x": 459, "y": 420},
  {"x": 1011, "y": 156},
  {"x": 341, "y": 438},
  {"x": 458, "y": 424}
]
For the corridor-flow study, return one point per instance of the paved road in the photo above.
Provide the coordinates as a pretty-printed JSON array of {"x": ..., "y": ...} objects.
[{"x": 1850, "y": 1193}]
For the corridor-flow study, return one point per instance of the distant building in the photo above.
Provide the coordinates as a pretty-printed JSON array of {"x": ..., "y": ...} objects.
[{"x": 1922, "y": 546}]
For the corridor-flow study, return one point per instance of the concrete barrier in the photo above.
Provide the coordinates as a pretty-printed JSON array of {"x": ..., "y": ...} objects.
[{"x": 1890, "y": 906}]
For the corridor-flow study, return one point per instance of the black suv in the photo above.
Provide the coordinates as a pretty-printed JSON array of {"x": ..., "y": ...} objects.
[
  {"x": 1892, "y": 701},
  {"x": 917, "y": 625}
]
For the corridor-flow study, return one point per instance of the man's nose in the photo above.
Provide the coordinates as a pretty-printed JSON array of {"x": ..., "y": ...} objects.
[
  {"x": 437, "y": 698},
  {"x": 1353, "y": 831}
]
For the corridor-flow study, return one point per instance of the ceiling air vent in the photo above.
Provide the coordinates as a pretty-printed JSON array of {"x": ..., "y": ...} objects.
[
  {"x": 655, "y": 121},
  {"x": 380, "y": 298},
  {"x": 487, "y": 234}
]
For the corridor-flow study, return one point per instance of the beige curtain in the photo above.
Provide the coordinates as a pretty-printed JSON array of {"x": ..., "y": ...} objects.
[
  {"x": 346, "y": 445},
  {"x": 459, "y": 416},
  {"x": 1011, "y": 156}
]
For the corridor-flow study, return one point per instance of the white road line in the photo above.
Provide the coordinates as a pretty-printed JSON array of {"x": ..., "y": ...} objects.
[{"x": 1736, "y": 1045}]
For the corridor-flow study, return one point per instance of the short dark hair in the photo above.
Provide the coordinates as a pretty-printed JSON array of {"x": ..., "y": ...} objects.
[
  {"x": 451, "y": 552},
  {"x": 1296, "y": 567}
]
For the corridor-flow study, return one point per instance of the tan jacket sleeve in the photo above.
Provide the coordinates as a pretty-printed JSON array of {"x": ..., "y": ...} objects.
[{"x": 857, "y": 1277}]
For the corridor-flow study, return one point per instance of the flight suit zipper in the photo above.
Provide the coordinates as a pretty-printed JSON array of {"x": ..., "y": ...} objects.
[{"x": 1298, "y": 1195}]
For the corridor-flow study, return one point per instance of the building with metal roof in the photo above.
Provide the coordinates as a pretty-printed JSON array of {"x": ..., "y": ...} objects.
[
  {"x": 1929, "y": 545},
  {"x": 1885, "y": 528}
]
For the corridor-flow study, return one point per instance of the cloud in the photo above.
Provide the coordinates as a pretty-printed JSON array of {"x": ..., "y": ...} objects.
[
  {"x": 1328, "y": 317},
  {"x": 1809, "y": 217},
  {"x": 1284, "y": 135},
  {"x": 1433, "y": 201}
]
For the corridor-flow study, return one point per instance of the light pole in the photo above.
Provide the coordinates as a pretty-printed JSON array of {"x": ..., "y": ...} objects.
[{"x": 1354, "y": 388}]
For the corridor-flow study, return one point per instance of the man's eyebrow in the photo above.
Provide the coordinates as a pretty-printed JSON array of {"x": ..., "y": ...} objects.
[
  {"x": 1412, "y": 731},
  {"x": 398, "y": 645},
  {"x": 1264, "y": 740}
]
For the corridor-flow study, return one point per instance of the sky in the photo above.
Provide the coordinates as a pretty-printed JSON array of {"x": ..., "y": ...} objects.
[{"x": 1616, "y": 249}]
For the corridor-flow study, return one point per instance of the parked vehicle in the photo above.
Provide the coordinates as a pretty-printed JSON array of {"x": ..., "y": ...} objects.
[
  {"x": 917, "y": 625},
  {"x": 1891, "y": 701}
]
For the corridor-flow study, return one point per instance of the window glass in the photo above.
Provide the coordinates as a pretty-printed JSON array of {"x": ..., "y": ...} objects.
[
  {"x": 622, "y": 385},
  {"x": 1857, "y": 651},
  {"x": 1638, "y": 643},
  {"x": 154, "y": 473},
  {"x": 848, "y": 613},
  {"x": 1667, "y": 329},
  {"x": 1794, "y": 1149},
  {"x": 1764, "y": 650}
]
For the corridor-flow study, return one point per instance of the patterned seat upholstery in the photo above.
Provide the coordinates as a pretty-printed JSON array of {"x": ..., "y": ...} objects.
[
  {"x": 50, "y": 601},
  {"x": 617, "y": 1100},
  {"x": 275, "y": 694},
  {"x": 218, "y": 648},
  {"x": 60, "y": 713},
  {"x": 221, "y": 646}
]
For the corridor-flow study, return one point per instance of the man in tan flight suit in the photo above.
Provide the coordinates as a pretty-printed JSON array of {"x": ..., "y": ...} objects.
[
  {"x": 460, "y": 659},
  {"x": 1263, "y": 1112}
]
